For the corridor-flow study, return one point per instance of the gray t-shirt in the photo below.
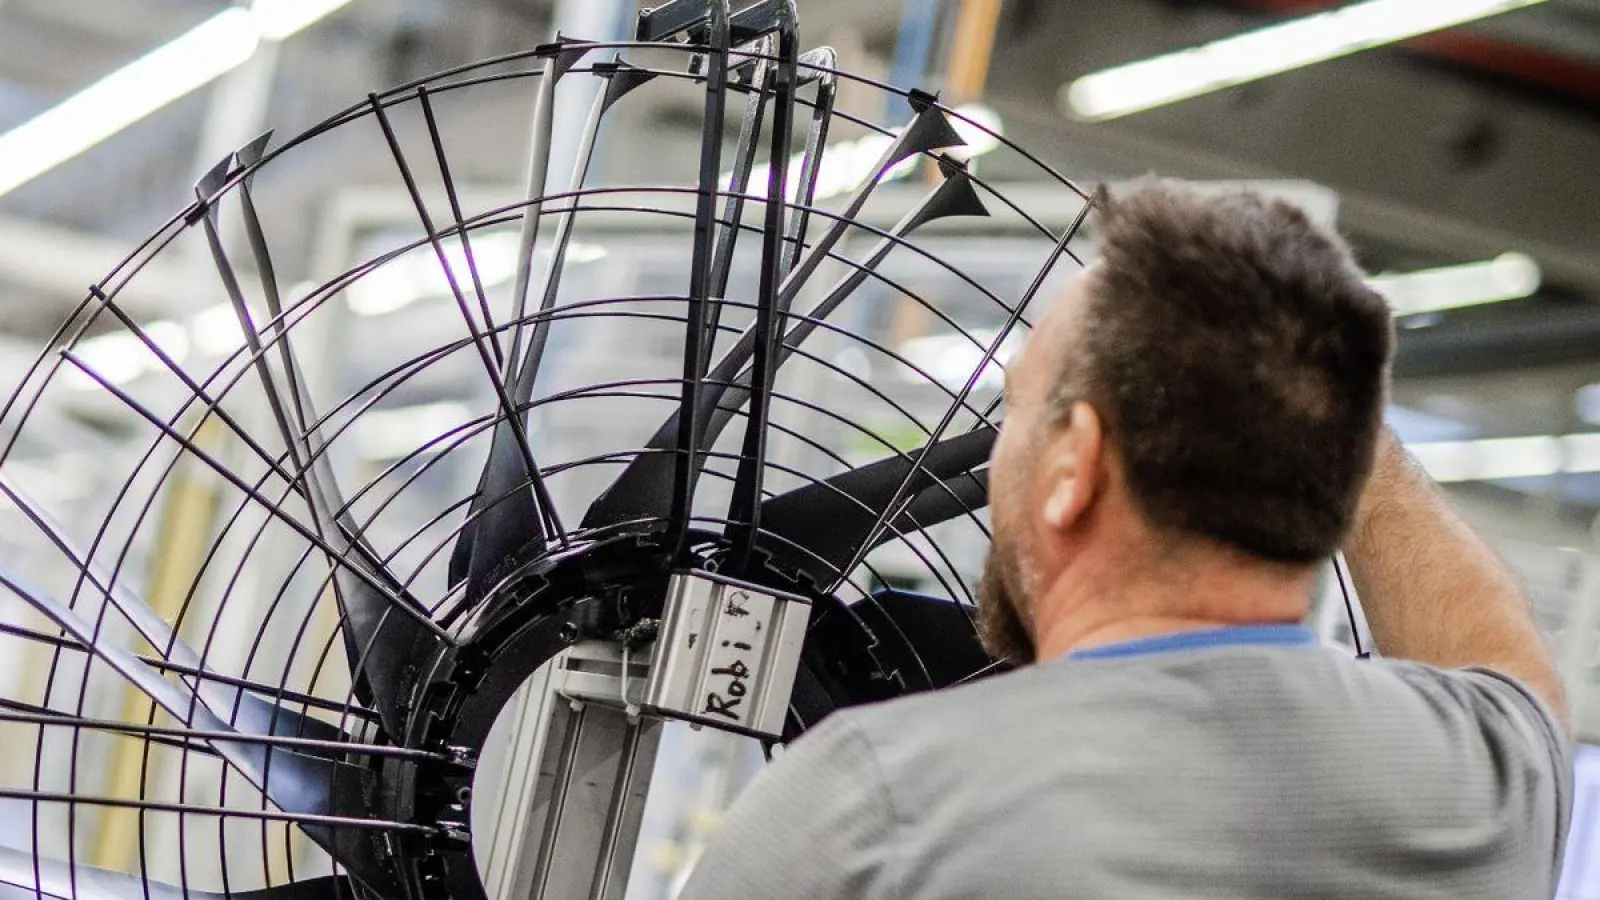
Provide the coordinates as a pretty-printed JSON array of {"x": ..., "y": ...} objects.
[{"x": 1241, "y": 763}]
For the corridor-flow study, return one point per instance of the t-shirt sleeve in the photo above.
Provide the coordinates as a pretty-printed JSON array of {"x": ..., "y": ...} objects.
[
  {"x": 1535, "y": 753},
  {"x": 815, "y": 824}
]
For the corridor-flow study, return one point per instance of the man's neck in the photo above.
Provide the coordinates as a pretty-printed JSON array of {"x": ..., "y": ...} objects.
[{"x": 1079, "y": 613}]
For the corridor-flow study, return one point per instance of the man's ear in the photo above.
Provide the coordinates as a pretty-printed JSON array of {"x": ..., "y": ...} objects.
[{"x": 1073, "y": 468}]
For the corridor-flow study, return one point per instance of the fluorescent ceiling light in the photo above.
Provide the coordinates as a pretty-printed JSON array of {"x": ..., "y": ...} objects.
[
  {"x": 197, "y": 57},
  {"x": 1509, "y": 276},
  {"x": 1141, "y": 85},
  {"x": 1493, "y": 459}
]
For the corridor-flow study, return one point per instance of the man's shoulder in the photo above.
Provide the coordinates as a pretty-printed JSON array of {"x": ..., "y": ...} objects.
[{"x": 930, "y": 722}]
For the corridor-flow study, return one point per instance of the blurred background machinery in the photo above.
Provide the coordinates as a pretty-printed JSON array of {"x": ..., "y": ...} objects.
[{"x": 1460, "y": 163}]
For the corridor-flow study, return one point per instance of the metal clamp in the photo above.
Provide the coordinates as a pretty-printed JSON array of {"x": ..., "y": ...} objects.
[{"x": 727, "y": 654}]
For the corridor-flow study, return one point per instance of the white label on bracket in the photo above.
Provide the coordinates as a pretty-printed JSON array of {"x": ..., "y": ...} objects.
[{"x": 736, "y": 658}]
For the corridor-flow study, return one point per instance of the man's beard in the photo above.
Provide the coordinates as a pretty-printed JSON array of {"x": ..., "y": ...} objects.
[{"x": 1001, "y": 607}]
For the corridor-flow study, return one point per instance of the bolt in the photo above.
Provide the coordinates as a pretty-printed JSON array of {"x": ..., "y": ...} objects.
[{"x": 569, "y": 632}]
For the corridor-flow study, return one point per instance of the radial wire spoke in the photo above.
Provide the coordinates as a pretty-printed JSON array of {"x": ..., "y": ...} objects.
[
  {"x": 31, "y": 715},
  {"x": 820, "y": 63},
  {"x": 758, "y": 80},
  {"x": 166, "y": 665},
  {"x": 425, "y": 100}
]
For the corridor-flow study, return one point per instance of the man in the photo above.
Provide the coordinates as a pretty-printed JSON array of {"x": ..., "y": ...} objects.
[{"x": 1188, "y": 434}]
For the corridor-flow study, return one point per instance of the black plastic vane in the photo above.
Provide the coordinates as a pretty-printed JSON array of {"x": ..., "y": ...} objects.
[{"x": 820, "y": 527}]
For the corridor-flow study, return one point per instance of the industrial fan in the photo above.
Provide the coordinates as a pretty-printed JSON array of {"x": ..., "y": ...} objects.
[{"x": 259, "y": 638}]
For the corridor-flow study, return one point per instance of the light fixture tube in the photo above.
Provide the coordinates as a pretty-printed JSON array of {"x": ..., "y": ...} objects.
[
  {"x": 186, "y": 63},
  {"x": 1136, "y": 86},
  {"x": 1509, "y": 276}
]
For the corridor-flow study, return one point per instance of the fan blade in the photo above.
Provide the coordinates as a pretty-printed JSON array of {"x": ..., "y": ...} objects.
[
  {"x": 942, "y": 502},
  {"x": 744, "y": 509},
  {"x": 759, "y": 80},
  {"x": 505, "y": 521},
  {"x": 294, "y": 782},
  {"x": 930, "y": 641},
  {"x": 700, "y": 303},
  {"x": 253, "y": 713},
  {"x": 643, "y": 490},
  {"x": 621, "y": 78},
  {"x": 378, "y": 655},
  {"x": 309, "y": 442},
  {"x": 955, "y": 196},
  {"x": 889, "y": 645},
  {"x": 830, "y": 519},
  {"x": 506, "y": 469},
  {"x": 562, "y": 57},
  {"x": 819, "y": 66},
  {"x": 927, "y": 132},
  {"x": 250, "y": 712},
  {"x": 24, "y": 875}
]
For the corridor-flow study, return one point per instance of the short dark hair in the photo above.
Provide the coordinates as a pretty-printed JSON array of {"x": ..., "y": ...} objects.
[{"x": 1240, "y": 362}]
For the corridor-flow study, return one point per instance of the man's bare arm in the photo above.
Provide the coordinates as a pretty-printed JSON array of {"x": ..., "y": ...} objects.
[{"x": 1432, "y": 590}]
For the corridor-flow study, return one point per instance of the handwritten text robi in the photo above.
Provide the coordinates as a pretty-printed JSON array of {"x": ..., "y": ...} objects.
[{"x": 737, "y": 634}]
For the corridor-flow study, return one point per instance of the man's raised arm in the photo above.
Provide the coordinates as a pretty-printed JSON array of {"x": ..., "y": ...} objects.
[{"x": 1432, "y": 590}]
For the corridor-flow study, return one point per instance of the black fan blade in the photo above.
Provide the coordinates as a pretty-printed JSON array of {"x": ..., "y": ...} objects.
[
  {"x": 381, "y": 647},
  {"x": 817, "y": 65},
  {"x": 556, "y": 65},
  {"x": 759, "y": 78},
  {"x": 829, "y": 520},
  {"x": 294, "y": 782},
  {"x": 506, "y": 520},
  {"x": 942, "y": 502},
  {"x": 929, "y": 641},
  {"x": 643, "y": 490},
  {"x": 23, "y": 875},
  {"x": 889, "y": 645}
]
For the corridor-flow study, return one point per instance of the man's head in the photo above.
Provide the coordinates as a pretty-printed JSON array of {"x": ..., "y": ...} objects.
[{"x": 1213, "y": 384}]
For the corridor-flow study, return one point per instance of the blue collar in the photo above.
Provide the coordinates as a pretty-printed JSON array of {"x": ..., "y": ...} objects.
[{"x": 1239, "y": 635}]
